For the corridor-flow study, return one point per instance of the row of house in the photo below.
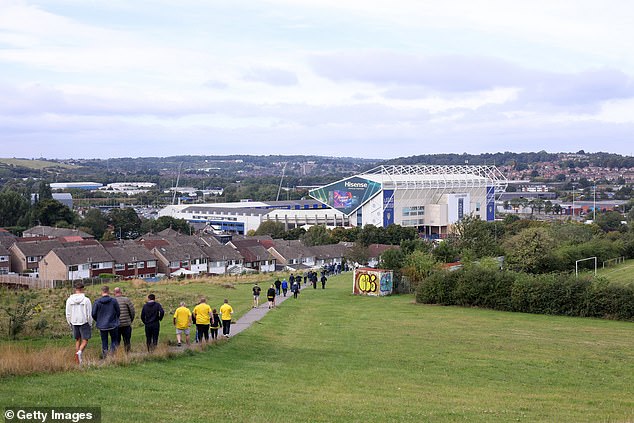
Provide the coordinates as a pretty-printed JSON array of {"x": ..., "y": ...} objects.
[{"x": 78, "y": 256}]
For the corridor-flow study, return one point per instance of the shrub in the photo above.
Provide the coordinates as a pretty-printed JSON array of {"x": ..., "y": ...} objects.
[
  {"x": 484, "y": 287},
  {"x": 555, "y": 293}
]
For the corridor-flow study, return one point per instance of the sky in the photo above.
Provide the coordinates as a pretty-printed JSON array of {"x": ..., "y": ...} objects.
[{"x": 370, "y": 79}]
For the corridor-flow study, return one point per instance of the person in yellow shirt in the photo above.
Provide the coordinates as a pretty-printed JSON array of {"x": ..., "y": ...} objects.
[
  {"x": 182, "y": 321},
  {"x": 226, "y": 311},
  {"x": 202, "y": 314}
]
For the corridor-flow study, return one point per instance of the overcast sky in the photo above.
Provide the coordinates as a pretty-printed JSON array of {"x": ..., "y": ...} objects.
[{"x": 375, "y": 79}]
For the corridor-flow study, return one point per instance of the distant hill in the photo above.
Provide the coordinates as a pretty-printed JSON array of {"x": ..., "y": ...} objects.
[{"x": 36, "y": 164}]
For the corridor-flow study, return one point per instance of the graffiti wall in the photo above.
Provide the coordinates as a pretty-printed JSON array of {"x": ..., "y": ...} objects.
[{"x": 368, "y": 281}]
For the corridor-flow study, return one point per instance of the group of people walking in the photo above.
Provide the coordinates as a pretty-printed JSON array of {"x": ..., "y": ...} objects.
[
  {"x": 206, "y": 320},
  {"x": 113, "y": 316}
]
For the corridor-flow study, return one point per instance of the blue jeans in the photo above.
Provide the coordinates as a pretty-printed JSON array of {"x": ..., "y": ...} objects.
[{"x": 114, "y": 340}]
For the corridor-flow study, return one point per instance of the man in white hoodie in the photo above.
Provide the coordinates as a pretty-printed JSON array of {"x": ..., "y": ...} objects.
[{"x": 79, "y": 317}]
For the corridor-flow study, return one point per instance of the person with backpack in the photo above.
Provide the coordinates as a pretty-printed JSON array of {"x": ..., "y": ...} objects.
[{"x": 295, "y": 289}]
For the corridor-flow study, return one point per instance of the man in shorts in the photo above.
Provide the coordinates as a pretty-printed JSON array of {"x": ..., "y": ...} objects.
[
  {"x": 182, "y": 321},
  {"x": 256, "y": 295},
  {"x": 79, "y": 317}
]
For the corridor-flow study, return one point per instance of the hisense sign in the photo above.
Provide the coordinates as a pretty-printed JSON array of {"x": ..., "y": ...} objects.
[{"x": 347, "y": 195}]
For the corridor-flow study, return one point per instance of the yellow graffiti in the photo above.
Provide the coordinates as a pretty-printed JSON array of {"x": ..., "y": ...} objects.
[{"x": 367, "y": 283}]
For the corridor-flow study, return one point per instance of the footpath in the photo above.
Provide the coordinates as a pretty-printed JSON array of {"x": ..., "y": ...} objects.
[{"x": 255, "y": 314}]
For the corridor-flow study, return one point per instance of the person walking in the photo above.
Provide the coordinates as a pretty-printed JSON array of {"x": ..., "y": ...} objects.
[
  {"x": 284, "y": 287},
  {"x": 278, "y": 286},
  {"x": 202, "y": 314},
  {"x": 270, "y": 295},
  {"x": 226, "y": 311},
  {"x": 182, "y": 320},
  {"x": 323, "y": 281},
  {"x": 256, "y": 295},
  {"x": 151, "y": 316},
  {"x": 214, "y": 324},
  {"x": 126, "y": 317},
  {"x": 106, "y": 313},
  {"x": 295, "y": 289},
  {"x": 79, "y": 317}
]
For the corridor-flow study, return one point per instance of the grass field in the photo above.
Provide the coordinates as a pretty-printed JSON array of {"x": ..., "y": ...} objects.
[
  {"x": 622, "y": 273},
  {"x": 35, "y": 164},
  {"x": 330, "y": 356}
]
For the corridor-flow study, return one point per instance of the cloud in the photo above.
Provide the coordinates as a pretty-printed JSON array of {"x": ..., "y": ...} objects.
[
  {"x": 407, "y": 76},
  {"x": 271, "y": 76}
]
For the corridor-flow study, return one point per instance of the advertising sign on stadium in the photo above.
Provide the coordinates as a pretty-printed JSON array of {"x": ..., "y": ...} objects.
[{"x": 347, "y": 195}]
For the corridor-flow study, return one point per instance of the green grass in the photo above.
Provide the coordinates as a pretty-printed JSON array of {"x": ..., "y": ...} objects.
[
  {"x": 330, "y": 356},
  {"x": 35, "y": 164},
  {"x": 622, "y": 273}
]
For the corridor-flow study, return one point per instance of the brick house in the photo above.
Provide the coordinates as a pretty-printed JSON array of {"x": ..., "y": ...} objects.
[
  {"x": 25, "y": 255},
  {"x": 131, "y": 260},
  {"x": 76, "y": 262}
]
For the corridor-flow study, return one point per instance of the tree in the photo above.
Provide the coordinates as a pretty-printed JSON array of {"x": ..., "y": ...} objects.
[
  {"x": 13, "y": 206},
  {"x": 44, "y": 191},
  {"x": 530, "y": 251},
  {"x": 316, "y": 235},
  {"x": 476, "y": 236},
  {"x": 359, "y": 254},
  {"x": 272, "y": 228},
  {"x": 370, "y": 234},
  {"x": 418, "y": 266},
  {"x": 446, "y": 252},
  {"x": 126, "y": 223},
  {"x": 609, "y": 221},
  {"x": 51, "y": 212},
  {"x": 165, "y": 222},
  {"x": 95, "y": 223}
]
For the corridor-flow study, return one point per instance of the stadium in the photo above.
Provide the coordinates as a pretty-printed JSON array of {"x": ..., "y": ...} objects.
[{"x": 430, "y": 198}]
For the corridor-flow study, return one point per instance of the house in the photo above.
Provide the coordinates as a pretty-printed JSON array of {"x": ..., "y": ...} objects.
[
  {"x": 330, "y": 254},
  {"x": 255, "y": 255},
  {"x": 292, "y": 255},
  {"x": 222, "y": 259},
  {"x": 51, "y": 232},
  {"x": 25, "y": 255},
  {"x": 131, "y": 260},
  {"x": 76, "y": 262},
  {"x": 4, "y": 261},
  {"x": 376, "y": 250},
  {"x": 173, "y": 257}
]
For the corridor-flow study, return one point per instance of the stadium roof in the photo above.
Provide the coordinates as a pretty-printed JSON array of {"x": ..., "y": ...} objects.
[{"x": 436, "y": 176}]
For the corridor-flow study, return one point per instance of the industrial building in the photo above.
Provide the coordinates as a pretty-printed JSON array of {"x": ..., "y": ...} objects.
[{"x": 241, "y": 217}]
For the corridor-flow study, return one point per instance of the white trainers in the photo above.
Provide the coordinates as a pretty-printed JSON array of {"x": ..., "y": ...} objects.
[{"x": 79, "y": 357}]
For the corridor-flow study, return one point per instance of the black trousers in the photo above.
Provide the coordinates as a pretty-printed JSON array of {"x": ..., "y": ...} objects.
[
  {"x": 203, "y": 332},
  {"x": 151, "y": 335},
  {"x": 125, "y": 332},
  {"x": 226, "y": 327},
  {"x": 214, "y": 333}
]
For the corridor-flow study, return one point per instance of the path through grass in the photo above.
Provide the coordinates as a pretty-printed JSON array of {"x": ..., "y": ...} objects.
[{"x": 330, "y": 356}]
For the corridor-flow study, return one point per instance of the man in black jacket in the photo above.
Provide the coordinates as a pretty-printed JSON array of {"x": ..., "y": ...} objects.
[
  {"x": 151, "y": 316},
  {"x": 105, "y": 312}
]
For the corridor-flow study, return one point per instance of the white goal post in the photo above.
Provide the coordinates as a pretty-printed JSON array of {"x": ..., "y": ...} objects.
[{"x": 588, "y": 258}]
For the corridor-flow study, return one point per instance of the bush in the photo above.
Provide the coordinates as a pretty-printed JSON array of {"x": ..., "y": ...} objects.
[
  {"x": 437, "y": 288},
  {"x": 556, "y": 293}
]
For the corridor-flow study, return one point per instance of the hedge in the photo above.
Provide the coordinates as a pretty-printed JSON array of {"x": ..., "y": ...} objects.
[{"x": 557, "y": 293}]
